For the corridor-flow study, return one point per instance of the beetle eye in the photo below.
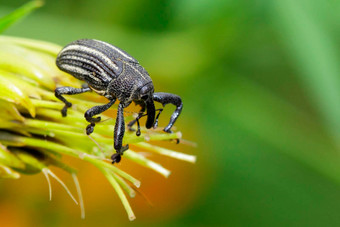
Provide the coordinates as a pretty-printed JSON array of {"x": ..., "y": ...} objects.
[{"x": 145, "y": 92}]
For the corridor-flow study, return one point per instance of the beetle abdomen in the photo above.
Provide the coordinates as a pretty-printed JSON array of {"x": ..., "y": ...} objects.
[
  {"x": 109, "y": 50},
  {"x": 93, "y": 61}
]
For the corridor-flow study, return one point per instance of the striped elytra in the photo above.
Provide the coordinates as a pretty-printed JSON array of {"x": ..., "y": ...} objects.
[{"x": 93, "y": 61}]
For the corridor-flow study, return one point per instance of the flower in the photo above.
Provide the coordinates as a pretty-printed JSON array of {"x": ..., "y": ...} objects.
[{"x": 34, "y": 136}]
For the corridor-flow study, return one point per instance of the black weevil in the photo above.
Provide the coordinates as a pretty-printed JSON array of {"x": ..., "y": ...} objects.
[{"x": 114, "y": 74}]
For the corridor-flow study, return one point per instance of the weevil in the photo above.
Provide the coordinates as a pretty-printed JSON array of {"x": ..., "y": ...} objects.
[{"x": 111, "y": 72}]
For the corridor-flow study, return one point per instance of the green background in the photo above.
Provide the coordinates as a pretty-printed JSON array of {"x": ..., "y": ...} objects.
[{"x": 260, "y": 81}]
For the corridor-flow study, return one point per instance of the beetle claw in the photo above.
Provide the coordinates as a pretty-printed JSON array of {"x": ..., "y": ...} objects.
[
  {"x": 167, "y": 130},
  {"x": 90, "y": 128},
  {"x": 155, "y": 125},
  {"x": 64, "y": 110},
  {"x": 138, "y": 132},
  {"x": 116, "y": 158}
]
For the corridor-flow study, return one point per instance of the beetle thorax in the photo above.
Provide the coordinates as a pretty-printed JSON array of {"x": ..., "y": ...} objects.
[{"x": 126, "y": 87}]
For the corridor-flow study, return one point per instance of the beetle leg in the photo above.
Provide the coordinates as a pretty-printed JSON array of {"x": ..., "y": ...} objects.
[
  {"x": 166, "y": 98},
  {"x": 140, "y": 115},
  {"x": 138, "y": 127},
  {"x": 131, "y": 123},
  {"x": 118, "y": 135},
  {"x": 59, "y": 91},
  {"x": 156, "y": 121},
  {"x": 94, "y": 111}
]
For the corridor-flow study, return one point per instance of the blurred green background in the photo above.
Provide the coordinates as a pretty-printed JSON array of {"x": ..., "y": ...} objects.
[{"x": 260, "y": 81}]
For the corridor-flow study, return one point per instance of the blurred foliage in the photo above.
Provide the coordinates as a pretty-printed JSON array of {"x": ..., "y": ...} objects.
[{"x": 260, "y": 83}]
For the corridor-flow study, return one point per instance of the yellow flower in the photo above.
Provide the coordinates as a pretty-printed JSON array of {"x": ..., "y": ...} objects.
[{"x": 34, "y": 135}]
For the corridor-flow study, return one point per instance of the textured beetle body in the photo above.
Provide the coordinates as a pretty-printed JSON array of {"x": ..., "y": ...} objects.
[
  {"x": 114, "y": 74},
  {"x": 104, "y": 68}
]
